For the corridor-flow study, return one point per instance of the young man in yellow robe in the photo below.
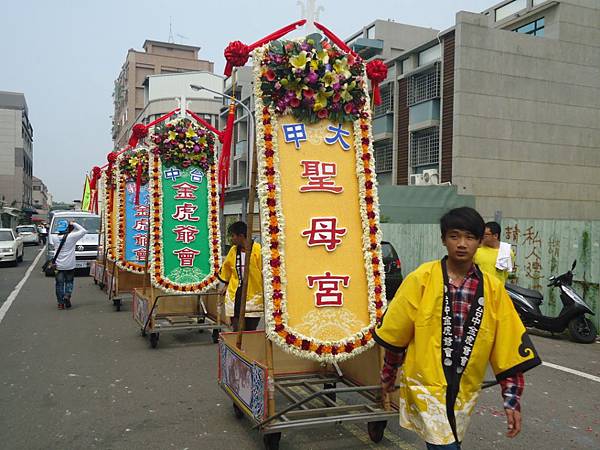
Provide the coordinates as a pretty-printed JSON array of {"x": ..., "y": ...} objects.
[
  {"x": 494, "y": 256},
  {"x": 232, "y": 274},
  {"x": 447, "y": 321}
]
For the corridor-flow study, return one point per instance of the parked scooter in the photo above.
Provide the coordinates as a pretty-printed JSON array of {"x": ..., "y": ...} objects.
[{"x": 572, "y": 316}]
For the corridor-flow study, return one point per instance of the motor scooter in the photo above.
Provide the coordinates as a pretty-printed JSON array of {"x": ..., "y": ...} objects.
[{"x": 572, "y": 316}]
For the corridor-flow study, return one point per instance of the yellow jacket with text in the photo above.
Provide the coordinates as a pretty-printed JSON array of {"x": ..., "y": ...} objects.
[
  {"x": 231, "y": 272},
  {"x": 413, "y": 321}
]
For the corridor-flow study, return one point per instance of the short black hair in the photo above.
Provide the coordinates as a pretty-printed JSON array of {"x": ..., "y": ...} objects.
[
  {"x": 494, "y": 228},
  {"x": 463, "y": 218},
  {"x": 238, "y": 228}
]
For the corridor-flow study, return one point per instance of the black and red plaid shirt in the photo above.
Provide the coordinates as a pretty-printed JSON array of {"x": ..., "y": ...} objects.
[{"x": 462, "y": 294}]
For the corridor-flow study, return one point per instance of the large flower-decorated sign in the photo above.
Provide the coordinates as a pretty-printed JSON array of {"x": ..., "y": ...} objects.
[
  {"x": 324, "y": 288},
  {"x": 184, "y": 222},
  {"x": 133, "y": 209}
]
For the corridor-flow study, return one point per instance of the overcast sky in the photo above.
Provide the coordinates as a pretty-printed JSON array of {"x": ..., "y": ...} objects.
[{"x": 65, "y": 55}]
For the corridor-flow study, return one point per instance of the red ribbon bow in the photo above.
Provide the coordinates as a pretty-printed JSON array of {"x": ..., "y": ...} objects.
[
  {"x": 139, "y": 131},
  {"x": 376, "y": 72},
  {"x": 237, "y": 53}
]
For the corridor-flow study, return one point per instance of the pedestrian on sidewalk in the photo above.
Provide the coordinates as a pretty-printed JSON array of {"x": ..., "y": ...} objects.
[
  {"x": 447, "y": 321},
  {"x": 232, "y": 275},
  {"x": 65, "y": 261},
  {"x": 494, "y": 256}
]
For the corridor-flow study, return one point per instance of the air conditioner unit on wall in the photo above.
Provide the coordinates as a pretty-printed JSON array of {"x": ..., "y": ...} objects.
[
  {"x": 416, "y": 179},
  {"x": 431, "y": 176}
]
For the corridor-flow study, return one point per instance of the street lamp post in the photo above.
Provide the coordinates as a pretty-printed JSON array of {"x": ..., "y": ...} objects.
[{"x": 250, "y": 134}]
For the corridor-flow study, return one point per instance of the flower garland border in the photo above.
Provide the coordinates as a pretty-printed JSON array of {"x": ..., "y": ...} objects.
[
  {"x": 273, "y": 224},
  {"x": 121, "y": 182},
  {"x": 108, "y": 212},
  {"x": 157, "y": 275}
]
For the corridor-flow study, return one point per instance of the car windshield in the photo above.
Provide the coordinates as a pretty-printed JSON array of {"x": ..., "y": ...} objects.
[
  {"x": 388, "y": 251},
  {"x": 6, "y": 236},
  {"x": 26, "y": 229},
  {"x": 91, "y": 224}
]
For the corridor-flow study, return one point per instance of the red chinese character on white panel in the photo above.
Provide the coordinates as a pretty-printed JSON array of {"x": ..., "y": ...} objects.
[
  {"x": 142, "y": 210},
  {"x": 328, "y": 288},
  {"x": 141, "y": 239},
  {"x": 185, "y": 233},
  {"x": 186, "y": 256},
  {"x": 319, "y": 176},
  {"x": 185, "y": 191},
  {"x": 141, "y": 254},
  {"x": 184, "y": 212},
  {"x": 141, "y": 225},
  {"x": 324, "y": 231}
]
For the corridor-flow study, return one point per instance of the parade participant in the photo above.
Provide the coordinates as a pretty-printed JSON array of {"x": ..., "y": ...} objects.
[
  {"x": 447, "y": 321},
  {"x": 65, "y": 243},
  {"x": 493, "y": 256},
  {"x": 232, "y": 274}
]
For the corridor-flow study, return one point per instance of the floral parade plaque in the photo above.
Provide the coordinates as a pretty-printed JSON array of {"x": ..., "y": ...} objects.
[
  {"x": 184, "y": 223},
  {"x": 321, "y": 240}
]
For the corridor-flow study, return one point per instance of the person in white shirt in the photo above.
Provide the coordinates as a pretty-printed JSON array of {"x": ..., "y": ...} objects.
[{"x": 65, "y": 262}]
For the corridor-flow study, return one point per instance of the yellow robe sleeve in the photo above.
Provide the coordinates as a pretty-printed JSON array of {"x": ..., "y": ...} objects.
[
  {"x": 397, "y": 326},
  {"x": 228, "y": 266},
  {"x": 513, "y": 351}
]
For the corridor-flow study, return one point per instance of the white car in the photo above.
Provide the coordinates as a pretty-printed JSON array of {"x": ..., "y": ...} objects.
[
  {"x": 11, "y": 246},
  {"x": 29, "y": 233}
]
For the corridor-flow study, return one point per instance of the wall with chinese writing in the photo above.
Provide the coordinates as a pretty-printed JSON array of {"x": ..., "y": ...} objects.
[{"x": 542, "y": 248}]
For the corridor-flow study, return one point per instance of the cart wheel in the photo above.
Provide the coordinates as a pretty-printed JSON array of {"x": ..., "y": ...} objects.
[
  {"x": 142, "y": 332},
  {"x": 272, "y": 441},
  {"x": 117, "y": 302},
  {"x": 376, "y": 430},
  {"x": 215, "y": 336},
  {"x": 101, "y": 285},
  {"x": 332, "y": 396},
  {"x": 154, "y": 340},
  {"x": 237, "y": 412},
  {"x": 95, "y": 281}
]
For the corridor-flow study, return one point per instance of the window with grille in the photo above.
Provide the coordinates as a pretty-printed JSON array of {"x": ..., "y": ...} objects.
[
  {"x": 424, "y": 147},
  {"x": 387, "y": 101},
  {"x": 423, "y": 86},
  {"x": 383, "y": 156}
]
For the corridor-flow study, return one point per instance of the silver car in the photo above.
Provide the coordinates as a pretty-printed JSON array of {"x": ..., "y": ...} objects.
[
  {"x": 11, "y": 246},
  {"x": 29, "y": 234}
]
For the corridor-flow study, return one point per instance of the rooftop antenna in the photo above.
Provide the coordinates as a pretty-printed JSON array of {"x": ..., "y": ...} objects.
[{"x": 171, "y": 38}]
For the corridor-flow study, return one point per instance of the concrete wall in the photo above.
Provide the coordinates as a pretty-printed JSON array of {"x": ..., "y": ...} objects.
[
  {"x": 542, "y": 248},
  {"x": 527, "y": 114}
]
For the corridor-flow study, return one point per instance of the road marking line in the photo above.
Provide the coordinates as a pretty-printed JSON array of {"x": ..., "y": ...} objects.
[
  {"x": 573, "y": 371},
  {"x": 13, "y": 295}
]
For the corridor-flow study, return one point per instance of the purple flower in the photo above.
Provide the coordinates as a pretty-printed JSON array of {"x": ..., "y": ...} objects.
[{"x": 312, "y": 77}]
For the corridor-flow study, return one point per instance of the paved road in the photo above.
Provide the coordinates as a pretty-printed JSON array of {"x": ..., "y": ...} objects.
[
  {"x": 84, "y": 378},
  {"x": 10, "y": 276}
]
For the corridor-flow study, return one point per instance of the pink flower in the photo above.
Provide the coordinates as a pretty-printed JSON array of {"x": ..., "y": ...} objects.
[
  {"x": 322, "y": 114},
  {"x": 348, "y": 108},
  {"x": 308, "y": 93},
  {"x": 294, "y": 102},
  {"x": 270, "y": 74}
]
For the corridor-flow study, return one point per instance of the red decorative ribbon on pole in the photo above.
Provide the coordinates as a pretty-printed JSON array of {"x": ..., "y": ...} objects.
[
  {"x": 225, "y": 157},
  {"x": 138, "y": 182},
  {"x": 237, "y": 53},
  {"x": 336, "y": 40},
  {"x": 376, "y": 72},
  {"x": 140, "y": 131},
  {"x": 204, "y": 123}
]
